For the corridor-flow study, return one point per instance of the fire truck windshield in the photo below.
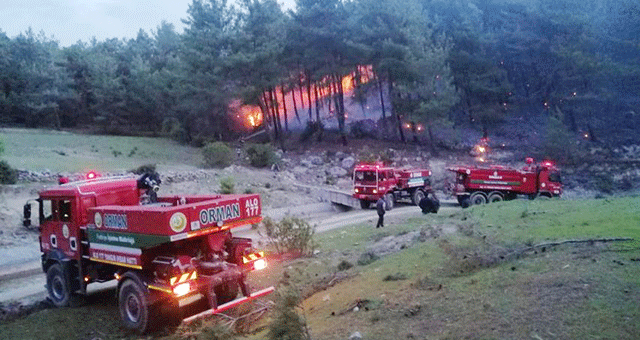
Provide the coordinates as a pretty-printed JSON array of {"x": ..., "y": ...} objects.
[
  {"x": 555, "y": 177},
  {"x": 365, "y": 176}
]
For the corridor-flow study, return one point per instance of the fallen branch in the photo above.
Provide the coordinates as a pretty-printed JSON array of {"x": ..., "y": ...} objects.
[
  {"x": 230, "y": 322},
  {"x": 559, "y": 243}
]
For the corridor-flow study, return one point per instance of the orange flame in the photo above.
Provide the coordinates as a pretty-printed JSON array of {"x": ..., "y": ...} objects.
[{"x": 251, "y": 116}]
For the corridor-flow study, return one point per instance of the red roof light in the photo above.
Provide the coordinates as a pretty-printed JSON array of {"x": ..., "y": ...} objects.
[{"x": 92, "y": 175}]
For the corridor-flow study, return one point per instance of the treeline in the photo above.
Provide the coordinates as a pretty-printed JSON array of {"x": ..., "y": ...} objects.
[{"x": 434, "y": 61}]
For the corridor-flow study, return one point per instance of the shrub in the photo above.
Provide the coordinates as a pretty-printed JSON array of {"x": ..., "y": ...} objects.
[
  {"x": 290, "y": 235},
  {"x": 287, "y": 324},
  {"x": 227, "y": 186},
  {"x": 367, "y": 258},
  {"x": 217, "y": 155},
  {"x": 133, "y": 151},
  {"x": 344, "y": 265},
  {"x": 216, "y": 331},
  {"x": 260, "y": 155},
  {"x": 8, "y": 175},
  {"x": 367, "y": 156},
  {"x": 312, "y": 128},
  {"x": 605, "y": 183}
]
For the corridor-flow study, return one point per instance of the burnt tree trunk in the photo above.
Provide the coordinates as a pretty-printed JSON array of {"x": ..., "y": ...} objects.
[
  {"x": 432, "y": 140},
  {"x": 341, "y": 113},
  {"x": 320, "y": 127},
  {"x": 384, "y": 115},
  {"x": 284, "y": 110},
  {"x": 393, "y": 112},
  {"x": 295, "y": 105},
  {"x": 266, "y": 113},
  {"x": 309, "y": 94}
]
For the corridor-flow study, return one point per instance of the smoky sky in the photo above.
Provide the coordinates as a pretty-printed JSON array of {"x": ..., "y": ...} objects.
[{"x": 68, "y": 21}]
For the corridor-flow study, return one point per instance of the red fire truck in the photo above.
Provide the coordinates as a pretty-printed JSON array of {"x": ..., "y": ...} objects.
[
  {"x": 371, "y": 181},
  {"x": 168, "y": 254},
  {"x": 479, "y": 185}
]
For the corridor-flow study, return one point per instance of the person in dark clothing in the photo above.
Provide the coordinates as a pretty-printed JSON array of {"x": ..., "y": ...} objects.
[
  {"x": 380, "y": 207},
  {"x": 429, "y": 204}
]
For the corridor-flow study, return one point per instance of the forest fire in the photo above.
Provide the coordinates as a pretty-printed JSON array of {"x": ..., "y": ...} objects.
[
  {"x": 247, "y": 116},
  {"x": 481, "y": 150},
  {"x": 291, "y": 102}
]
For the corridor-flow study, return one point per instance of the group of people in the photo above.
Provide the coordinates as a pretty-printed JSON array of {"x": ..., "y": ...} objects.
[{"x": 427, "y": 205}]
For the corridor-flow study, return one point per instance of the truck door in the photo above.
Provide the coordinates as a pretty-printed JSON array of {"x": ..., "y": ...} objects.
[{"x": 59, "y": 229}]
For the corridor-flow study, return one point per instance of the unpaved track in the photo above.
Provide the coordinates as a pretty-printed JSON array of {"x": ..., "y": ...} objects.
[{"x": 25, "y": 282}]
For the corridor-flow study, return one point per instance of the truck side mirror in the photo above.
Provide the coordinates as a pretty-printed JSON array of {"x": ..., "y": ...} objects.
[{"x": 26, "y": 220}]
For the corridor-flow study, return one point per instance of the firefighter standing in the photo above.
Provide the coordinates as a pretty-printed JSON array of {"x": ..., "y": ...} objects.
[
  {"x": 429, "y": 204},
  {"x": 380, "y": 207}
]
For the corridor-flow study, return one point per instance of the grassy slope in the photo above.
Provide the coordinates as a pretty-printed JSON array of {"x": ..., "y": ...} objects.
[
  {"x": 452, "y": 291},
  {"x": 69, "y": 152}
]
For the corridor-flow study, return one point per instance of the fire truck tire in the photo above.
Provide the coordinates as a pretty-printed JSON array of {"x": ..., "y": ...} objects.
[
  {"x": 226, "y": 292},
  {"x": 478, "y": 198},
  {"x": 495, "y": 197},
  {"x": 388, "y": 198},
  {"x": 135, "y": 310},
  {"x": 417, "y": 196},
  {"x": 364, "y": 204},
  {"x": 57, "y": 286}
]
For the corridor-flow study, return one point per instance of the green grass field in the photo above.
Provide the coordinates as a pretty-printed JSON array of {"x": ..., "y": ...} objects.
[
  {"x": 59, "y": 151},
  {"x": 457, "y": 287}
]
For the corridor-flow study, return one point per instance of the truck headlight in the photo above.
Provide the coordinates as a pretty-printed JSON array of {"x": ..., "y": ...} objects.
[
  {"x": 259, "y": 264},
  {"x": 182, "y": 289}
]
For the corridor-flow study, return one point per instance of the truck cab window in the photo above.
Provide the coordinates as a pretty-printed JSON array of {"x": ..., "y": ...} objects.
[
  {"x": 555, "y": 177},
  {"x": 46, "y": 210},
  {"x": 65, "y": 210}
]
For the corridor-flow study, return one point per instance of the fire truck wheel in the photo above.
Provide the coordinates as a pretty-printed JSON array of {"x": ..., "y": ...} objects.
[
  {"x": 478, "y": 198},
  {"x": 417, "y": 196},
  {"x": 495, "y": 197},
  {"x": 134, "y": 307},
  {"x": 388, "y": 198},
  {"x": 57, "y": 286},
  {"x": 364, "y": 204},
  {"x": 226, "y": 292}
]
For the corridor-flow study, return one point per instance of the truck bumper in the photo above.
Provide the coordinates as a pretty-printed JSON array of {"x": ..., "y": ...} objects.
[
  {"x": 230, "y": 304},
  {"x": 367, "y": 197}
]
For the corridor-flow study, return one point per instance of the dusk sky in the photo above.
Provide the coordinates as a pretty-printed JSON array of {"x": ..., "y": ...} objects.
[{"x": 68, "y": 21}]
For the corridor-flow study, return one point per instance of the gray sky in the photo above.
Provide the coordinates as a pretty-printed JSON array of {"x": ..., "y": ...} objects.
[{"x": 68, "y": 21}]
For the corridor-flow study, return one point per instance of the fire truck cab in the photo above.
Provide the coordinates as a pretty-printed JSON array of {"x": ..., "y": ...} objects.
[{"x": 371, "y": 181}]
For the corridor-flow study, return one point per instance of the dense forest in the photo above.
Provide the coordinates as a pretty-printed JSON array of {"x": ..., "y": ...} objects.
[{"x": 427, "y": 64}]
